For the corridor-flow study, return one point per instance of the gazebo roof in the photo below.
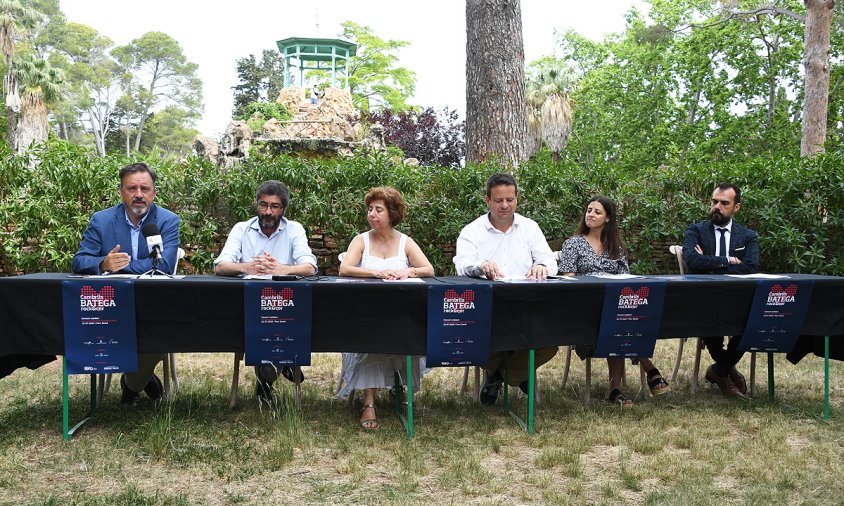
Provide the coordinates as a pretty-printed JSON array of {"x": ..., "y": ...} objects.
[{"x": 312, "y": 47}]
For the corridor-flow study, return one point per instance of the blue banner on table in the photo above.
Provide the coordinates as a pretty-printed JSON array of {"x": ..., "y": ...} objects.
[
  {"x": 277, "y": 323},
  {"x": 630, "y": 319},
  {"x": 776, "y": 316},
  {"x": 459, "y": 325},
  {"x": 99, "y": 326}
]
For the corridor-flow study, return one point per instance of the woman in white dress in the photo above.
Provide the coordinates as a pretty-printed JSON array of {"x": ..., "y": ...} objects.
[{"x": 385, "y": 253}]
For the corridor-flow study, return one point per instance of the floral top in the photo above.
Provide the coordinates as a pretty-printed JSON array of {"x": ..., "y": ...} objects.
[{"x": 579, "y": 257}]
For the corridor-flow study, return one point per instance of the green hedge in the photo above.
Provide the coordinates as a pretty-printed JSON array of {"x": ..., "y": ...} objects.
[{"x": 795, "y": 205}]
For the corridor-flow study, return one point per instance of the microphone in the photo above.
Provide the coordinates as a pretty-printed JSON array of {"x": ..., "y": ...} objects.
[{"x": 154, "y": 241}]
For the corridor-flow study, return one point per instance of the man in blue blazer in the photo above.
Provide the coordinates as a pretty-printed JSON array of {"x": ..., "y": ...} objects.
[
  {"x": 113, "y": 243},
  {"x": 719, "y": 245}
]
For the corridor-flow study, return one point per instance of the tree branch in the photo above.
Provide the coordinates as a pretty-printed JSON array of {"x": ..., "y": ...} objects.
[{"x": 765, "y": 9}]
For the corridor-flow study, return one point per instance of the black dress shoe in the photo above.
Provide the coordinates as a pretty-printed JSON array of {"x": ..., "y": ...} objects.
[
  {"x": 264, "y": 391},
  {"x": 288, "y": 372},
  {"x": 128, "y": 397},
  {"x": 154, "y": 389},
  {"x": 489, "y": 392}
]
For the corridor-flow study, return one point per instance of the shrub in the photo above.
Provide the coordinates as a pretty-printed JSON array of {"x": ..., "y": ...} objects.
[
  {"x": 432, "y": 138},
  {"x": 796, "y": 205},
  {"x": 262, "y": 112}
]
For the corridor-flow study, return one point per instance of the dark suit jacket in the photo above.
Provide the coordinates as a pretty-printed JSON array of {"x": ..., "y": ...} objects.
[
  {"x": 744, "y": 245},
  {"x": 108, "y": 228}
]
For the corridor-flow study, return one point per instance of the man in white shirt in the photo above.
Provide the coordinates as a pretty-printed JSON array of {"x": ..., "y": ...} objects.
[
  {"x": 267, "y": 244},
  {"x": 502, "y": 244}
]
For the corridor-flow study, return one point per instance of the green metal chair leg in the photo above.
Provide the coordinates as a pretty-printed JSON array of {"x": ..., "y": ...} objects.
[
  {"x": 526, "y": 425},
  {"x": 406, "y": 421},
  {"x": 67, "y": 431},
  {"x": 826, "y": 378}
]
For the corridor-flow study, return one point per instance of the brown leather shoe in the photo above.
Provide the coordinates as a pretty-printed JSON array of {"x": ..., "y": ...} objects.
[
  {"x": 738, "y": 380},
  {"x": 724, "y": 384}
]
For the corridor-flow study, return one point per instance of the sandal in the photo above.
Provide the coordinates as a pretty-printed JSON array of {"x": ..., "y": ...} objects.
[
  {"x": 616, "y": 397},
  {"x": 656, "y": 383},
  {"x": 403, "y": 401},
  {"x": 368, "y": 423}
]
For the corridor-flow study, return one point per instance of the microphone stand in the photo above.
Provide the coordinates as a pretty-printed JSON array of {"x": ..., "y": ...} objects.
[{"x": 154, "y": 271}]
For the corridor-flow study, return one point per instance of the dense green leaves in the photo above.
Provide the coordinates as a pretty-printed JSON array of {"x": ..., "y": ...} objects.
[
  {"x": 376, "y": 80},
  {"x": 695, "y": 82},
  {"x": 796, "y": 205}
]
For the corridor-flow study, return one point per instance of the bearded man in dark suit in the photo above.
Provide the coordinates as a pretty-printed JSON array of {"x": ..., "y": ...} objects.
[{"x": 719, "y": 245}]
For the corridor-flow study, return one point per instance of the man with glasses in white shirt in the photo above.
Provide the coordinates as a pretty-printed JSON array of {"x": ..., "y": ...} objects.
[{"x": 268, "y": 243}]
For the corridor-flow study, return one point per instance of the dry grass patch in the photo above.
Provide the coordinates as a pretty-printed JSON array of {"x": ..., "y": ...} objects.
[{"x": 676, "y": 449}]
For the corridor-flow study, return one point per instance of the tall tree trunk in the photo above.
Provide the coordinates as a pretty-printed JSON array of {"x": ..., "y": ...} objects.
[
  {"x": 32, "y": 126},
  {"x": 140, "y": 131},
  {"x": 496, "y": 123},
  {"x": 11, "y": 122},
  {"x": 99, "y": 141},
  {"x": 816, "y": 82},
  {"x": 128, "y": 133}
]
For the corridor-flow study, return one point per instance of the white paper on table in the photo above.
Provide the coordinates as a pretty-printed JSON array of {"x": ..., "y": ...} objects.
[
  {"x": 258, "y": 276},
  {"x": 114, "y": 276},
  {"x": 157, "y": 278},
  {"x": 759, "y": 275},
  {"x": 521, "y": 279},
  {"x": 616, "y": 276},
  {"x": 405, "y": 280}
]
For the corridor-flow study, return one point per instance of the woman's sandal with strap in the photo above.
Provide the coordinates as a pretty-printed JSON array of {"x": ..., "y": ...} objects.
[
  {"x": 656, "y": 383},
  {"x": 616, "y": 397},
  {"x": 368, "y": 423}
]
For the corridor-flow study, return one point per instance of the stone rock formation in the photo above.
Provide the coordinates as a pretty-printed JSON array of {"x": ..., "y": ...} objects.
[
  {"x": 207, "y": 149},
  {"x": 326, "y": 128}
]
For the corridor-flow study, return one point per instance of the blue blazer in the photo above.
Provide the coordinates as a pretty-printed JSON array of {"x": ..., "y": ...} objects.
[
  {"x": 108, "y": 228},
  {"x": 744, "y": 245}
]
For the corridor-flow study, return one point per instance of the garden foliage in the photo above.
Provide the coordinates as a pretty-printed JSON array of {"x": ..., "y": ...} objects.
[
  {"x": 433, "y": 138},
  {"x": 796, "y": 205}
]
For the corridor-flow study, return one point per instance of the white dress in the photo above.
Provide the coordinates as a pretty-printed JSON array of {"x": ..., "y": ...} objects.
[{"x": 370, "y": 370}]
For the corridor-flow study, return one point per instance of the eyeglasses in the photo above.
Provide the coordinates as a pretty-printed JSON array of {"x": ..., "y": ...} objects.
[{"x": 263, "y": 206}]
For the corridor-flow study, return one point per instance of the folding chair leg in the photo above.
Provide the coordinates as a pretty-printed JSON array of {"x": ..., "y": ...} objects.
[
  {"x": 297, "y": 373},
  {"x": 101, "y": 382},
  {"x": 174, "y": 378},
  {"x": 235, "y": 378},
  {"x": 696, "y": 370},
  {"x": 644, "y": 391},
  {"x": 476, "y": 391},
  {"x": 566, "y": 367},
  {"x": 465, "y": 382},
  {"x": 679, "y": 358},
  {"x": 107, "y": 385},
  {"x": 588, "y": 394},
  {"x": 753, "y": 374},
  {"x": 165, "y": 371},
  {"x": 624, "y": 374}
]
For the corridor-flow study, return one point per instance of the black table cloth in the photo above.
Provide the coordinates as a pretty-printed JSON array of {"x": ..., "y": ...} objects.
[{"x": 205, "y": 313}]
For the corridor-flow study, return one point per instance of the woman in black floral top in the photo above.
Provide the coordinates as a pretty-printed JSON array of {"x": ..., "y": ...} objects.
[{"x": 597, "y": 248}]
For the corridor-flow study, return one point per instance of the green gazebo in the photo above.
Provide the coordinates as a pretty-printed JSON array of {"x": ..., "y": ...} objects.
[{"x": 302, "y": 53}]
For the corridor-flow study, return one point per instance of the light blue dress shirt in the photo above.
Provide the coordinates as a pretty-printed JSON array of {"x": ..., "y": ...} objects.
[{"x": 288, "y": 244}]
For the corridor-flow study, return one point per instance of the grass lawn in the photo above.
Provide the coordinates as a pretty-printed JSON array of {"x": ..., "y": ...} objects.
[{"x": 675, "y": 449}]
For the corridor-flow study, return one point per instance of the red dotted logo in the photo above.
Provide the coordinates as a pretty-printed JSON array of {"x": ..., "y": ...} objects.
[
  {"x": 284, "y": 293},
  {"x": 790, "y": 290},
  {"x": 642, "y": 293},
  {"x": 105, "y": 293},
  {"x": 466, "y": 296}
]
